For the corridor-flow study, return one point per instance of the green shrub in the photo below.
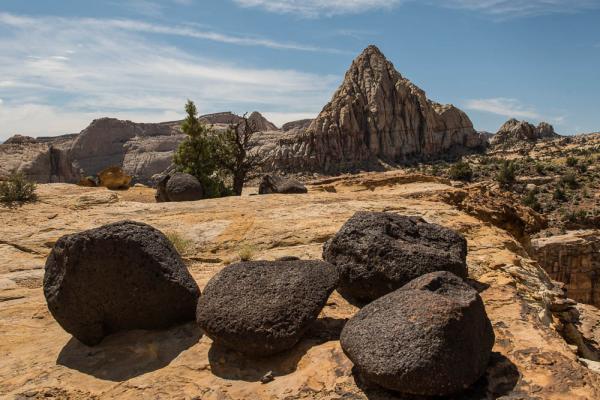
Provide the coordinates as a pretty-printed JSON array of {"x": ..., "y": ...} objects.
[
  {"x": 507, "y": 175},
  {"x": 532, "y": 202},
  {"x": 461, "y": 171},
  {"x": 559, "y": 194},
  {"x": 17, "y": 189},
  {"x": 572, "y": 162},
  {"x": 569, "y": 180}
]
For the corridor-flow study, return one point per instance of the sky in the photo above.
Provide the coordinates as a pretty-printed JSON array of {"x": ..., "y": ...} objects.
[{"x": 64, "y": 63}]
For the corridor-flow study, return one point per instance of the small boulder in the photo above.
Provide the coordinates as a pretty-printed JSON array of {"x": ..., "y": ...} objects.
[
  {"x": 376, "y": 253},
  {"x": 277, "y": 184},
  {"x": 179, "y": 186},
  {"x": 121, "y": 276},
  {"x": 430, "y": 338},
  {"x": 114, "y": 178},
  {"x": 264, "y": 307}
]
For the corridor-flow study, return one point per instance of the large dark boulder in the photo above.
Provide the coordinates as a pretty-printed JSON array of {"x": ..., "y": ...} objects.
[
  {"x": 264, "y": 307},
  {"x": 178, "y": 187},
  {"x": 277, "y": 184},
  {"x": 376, "y": 253},
  {"x": 121, "y": 276},
  {"x": 430, "y": 338}
]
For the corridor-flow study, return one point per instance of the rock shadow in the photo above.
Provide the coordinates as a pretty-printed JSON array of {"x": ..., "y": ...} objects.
[
  {"x": 125, "y": 355},
  {"x": 232, "y": 365},
  {"x": 500, "y": 379}
]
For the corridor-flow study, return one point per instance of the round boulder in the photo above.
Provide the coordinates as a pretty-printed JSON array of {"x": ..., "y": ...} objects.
[
  {"x": 179, "y": 187},
  {"x": 264, "y": 307},
  {"x": 114, "y": 178},
  {"x": 376, "y": 253},
  {"x": 429, "y": 338},
  {"x": 121, "y": 276},
  {"x": 277, "y": 184}
]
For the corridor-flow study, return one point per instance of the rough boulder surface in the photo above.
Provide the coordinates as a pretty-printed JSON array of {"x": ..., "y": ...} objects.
[
  {"x": 277, "y": 184},
  {"x": 114, "y": 178},
  {"x": 122, "y": 276},
  {"x": 430, "y": 338},
  {"x": 514, "y": 131},
  {"x": 261, "y": 308},
  {"x": 376, "y": 253},
  {"x": 377, "y": 114},
  {"x": 179, "y": 187}
]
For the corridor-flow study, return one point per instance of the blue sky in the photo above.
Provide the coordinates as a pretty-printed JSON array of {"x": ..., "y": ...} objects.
[{"x": 66, "y": 62}]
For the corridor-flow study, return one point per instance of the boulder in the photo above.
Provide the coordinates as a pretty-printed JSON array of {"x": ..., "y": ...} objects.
[
  {"x": 114, "y": 178},
  {"x": 178, "y": 186},
  {"x": 277, "y": 184},
  {"x": 121, "y": 276},
  {"x": 376, "y": 253},
  {"x": 264, "y": 307},
  {"x": 429, "y": 338}
]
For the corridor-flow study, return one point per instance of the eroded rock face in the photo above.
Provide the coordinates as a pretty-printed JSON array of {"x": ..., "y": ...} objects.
[
  {"x": 514, "y": 131},
  {"x": 573, "y": 259},
  {"x": 376, "y": 114},
  {"x": 376, "y": 253},
  {"x": 278, "y": 184},
  {"x": 262, "y": 308},
  {"x": 260, "y": 123},
  {"x": 122, "y": 276},
  {"x": 431, "y": 338},
  {"x": 300, "y": 124}
]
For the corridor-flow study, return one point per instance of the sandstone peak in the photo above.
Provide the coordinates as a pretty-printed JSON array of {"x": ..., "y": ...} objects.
[
  {"x": 513, "y": 131},
  {"x": 261, "y": 123},
  {"x": 377, "y": 115}
]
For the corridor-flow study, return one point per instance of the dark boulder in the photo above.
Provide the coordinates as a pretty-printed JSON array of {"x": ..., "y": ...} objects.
[
  {"x": 121, "y": 276},
  {"x": 264, "y": 307},
  {"x": 178, "y": 187},
  {"x": 277, "y": 184},
  {"x": 429, "y": 338},
  {"x": 376, "y": 253}
]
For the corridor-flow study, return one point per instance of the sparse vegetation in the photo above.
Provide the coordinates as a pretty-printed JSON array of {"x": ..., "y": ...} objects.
[
  {"x": 532, "y": 202},
  {"x": 507, "y": 174},
  {"x": 181, "y": 244},
  {"x": 17, "y": 190},
  {"x": 246, "y": 252},
  {"x": 461, "y": 171}
]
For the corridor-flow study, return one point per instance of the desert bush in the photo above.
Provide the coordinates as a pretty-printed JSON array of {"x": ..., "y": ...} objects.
[
  {"x": 181, "y": 244},
  {"x": 461, "y": 171},
  {"x": 532, "y": 202},
  {"x": 569, "y": 180},
  {"x": 246, "y": 253},
  {"x": 17, "y": 189},
  {"x": 559, "y": 194},
  {"x": 507, "y": 174},
  {"x": 572, "y": 162}
]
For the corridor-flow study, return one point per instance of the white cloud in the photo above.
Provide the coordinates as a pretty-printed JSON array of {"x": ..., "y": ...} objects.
[
  {"x": 511, "y": 108},
  {"x": 317, "y": 8},
  {"x": 501, "y": 8},
  {"x": 56, "y": 74}
]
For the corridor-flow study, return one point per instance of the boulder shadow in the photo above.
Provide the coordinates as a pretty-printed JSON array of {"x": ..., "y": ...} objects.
[
  {"x": 125, "y": 355},
  {"x": 232, "y": 365},
  {"x": 500, "y": 379}
]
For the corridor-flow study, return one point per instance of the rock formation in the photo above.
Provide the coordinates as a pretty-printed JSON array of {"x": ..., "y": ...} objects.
[
  {"x": 114, "y": 178},
  {"x": 261, "y": 308},
  {"x": 277, "y": 184},
  {"x": 260, "y": 123},
  {"x": 376, "y": 253},
  {"x": 121, "y": 276},
  {"x": 300, "y": 124},
  {"x": 430, "y": 338},
  {"x": 376, "y": 114},
  {"x": 514, "y": 131},
  {"x": 573, "y": 259}
]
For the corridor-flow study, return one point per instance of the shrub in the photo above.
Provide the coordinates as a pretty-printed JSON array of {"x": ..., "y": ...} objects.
[
  {"x": 572, "y": 162},
  {"x": 17, "y": 189},
  {"x": 559, "y": 194},
  {"x": 181, "y": 244},
  {"x": 532, "y": 202},
  {"x": 246, "y": 253},
  {"x": 461, "y": 171},
  {"x": 507, "y": 175},
  {"x": 569, "y": 180}
]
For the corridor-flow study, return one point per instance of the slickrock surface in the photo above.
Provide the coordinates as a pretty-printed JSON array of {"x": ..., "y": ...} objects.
[
  {"x": 38, "y": 358},
  {"x": 573, "y": 259},
  {"x": 377, "y": 114}
]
